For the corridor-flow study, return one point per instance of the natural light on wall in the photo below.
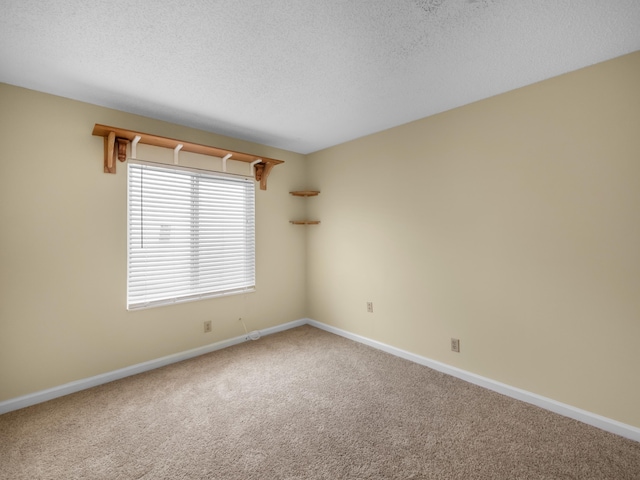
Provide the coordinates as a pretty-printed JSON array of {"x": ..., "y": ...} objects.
[{"x": 191, "y": 234}]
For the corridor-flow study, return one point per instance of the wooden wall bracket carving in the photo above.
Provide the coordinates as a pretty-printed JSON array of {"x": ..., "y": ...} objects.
[{"x": 263, "y": 170}]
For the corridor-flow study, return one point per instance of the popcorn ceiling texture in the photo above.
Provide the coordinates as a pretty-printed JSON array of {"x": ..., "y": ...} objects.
[{"x": 302, "y": 75}]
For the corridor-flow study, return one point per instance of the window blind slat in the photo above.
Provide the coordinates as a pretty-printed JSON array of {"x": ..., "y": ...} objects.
[{"x": 191, "y": 235}]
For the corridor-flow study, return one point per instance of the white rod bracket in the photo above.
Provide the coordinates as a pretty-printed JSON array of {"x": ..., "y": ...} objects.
[
  {"x": 224, "y": 161},
  {"x": 253, "y": 164},
  {"x": 134, "y": 146},
  {"x": 175, "y": 153}
]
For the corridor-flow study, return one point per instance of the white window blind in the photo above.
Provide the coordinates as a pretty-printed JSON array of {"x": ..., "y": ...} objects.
[{"x": 191, "y": 235}]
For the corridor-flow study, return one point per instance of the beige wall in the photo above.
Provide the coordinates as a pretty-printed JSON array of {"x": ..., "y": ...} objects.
[
  {"x": 63, "y": 252},
  {"x": 512, "y": 224}
]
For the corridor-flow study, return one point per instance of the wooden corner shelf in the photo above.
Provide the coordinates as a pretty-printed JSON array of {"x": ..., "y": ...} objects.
[
  {"x": 305, "y": 193},
  {"x": 117, "y": 139}
]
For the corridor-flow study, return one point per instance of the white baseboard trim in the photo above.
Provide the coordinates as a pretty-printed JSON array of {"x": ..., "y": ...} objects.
[
  {"x": 78, "y": 385},
  {"x": 604, "y": 423}
]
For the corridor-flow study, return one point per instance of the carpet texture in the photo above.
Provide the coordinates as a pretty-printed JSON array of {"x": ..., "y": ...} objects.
[{"x": 302, "y": 404}]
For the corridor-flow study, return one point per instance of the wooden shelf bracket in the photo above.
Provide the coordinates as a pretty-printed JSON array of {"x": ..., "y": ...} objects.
[
  {"x": 114, "y": 147},
  {"x": 263, "y": 170},
  {"x": 116, "y": 141}
]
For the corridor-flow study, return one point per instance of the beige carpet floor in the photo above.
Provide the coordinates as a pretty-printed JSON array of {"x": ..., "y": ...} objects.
[{"x": 302, "y": 404}]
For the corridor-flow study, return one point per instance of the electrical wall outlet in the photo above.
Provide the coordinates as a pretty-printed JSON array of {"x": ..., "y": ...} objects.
[
  {"x": 207, "y": 326},
  {"x": 455, "y": 345},
  {"x": 370, "y": 307}
]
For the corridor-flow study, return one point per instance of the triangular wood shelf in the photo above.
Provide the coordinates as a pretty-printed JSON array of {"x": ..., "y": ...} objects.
[{"x": 305, "y": 193}]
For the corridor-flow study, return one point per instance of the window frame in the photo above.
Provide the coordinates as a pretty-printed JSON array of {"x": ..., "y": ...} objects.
[{"x": 245, "y": 213}]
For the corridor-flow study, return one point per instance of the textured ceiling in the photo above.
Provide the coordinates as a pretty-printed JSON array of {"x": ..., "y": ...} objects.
[{"x": 302, "y": 74}]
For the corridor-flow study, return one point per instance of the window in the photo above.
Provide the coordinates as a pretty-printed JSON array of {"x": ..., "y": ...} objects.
[{"x": 191, "y": 235}]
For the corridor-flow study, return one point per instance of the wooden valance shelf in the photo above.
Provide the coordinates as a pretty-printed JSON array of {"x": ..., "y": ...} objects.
[
  {"x": 117, "y": 139},
  {"x": 305, "y": 193},
  {"x": 305, "y": 222}
]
